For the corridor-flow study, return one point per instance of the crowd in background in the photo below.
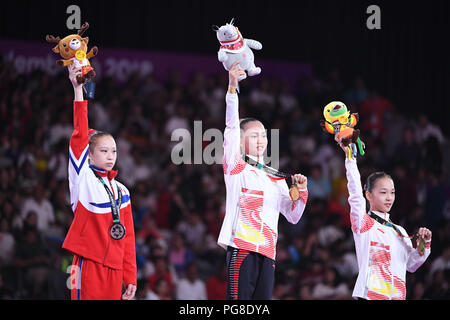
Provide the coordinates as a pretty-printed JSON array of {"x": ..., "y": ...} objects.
[{"x": 178, "y": 209}]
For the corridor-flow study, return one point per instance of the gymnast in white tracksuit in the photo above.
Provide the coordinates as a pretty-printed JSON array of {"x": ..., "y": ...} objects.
[
  {"x": 383, "y": 249},
  {"x": 253, "y": 204}
]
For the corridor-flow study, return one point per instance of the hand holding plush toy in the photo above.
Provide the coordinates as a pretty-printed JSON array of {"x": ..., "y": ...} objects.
[
  {"x": 73, "y": 49},
  {"x": 341, "y": 123},
  {"x": 235, "y": 48}
]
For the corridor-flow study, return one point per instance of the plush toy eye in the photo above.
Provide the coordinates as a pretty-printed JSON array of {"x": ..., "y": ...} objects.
[{"x": 64, "y": 45}]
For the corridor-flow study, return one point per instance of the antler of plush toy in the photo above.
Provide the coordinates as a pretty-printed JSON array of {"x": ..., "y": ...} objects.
[
  {"x": 84, "y": 27},
  {"x": 52, "y": 39}
]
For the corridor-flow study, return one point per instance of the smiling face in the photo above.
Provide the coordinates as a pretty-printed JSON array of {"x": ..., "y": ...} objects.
[
  {"x": 103, "y": 152},
  {"x": 382, "y": 196},
  {"x": 69, "y": 45},
  {"x": 253, "y": 139}
]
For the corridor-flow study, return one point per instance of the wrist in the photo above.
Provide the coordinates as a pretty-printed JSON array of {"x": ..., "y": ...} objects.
[
  {"x": 231, "y": 89},
  {"x": 78, "y": 93}
]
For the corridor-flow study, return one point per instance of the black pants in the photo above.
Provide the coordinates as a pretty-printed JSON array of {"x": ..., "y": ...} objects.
[{"x": 250, "y": 275}]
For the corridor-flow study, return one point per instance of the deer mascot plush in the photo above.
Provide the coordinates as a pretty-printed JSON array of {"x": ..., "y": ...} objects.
[{"x": 73, "y": 50}]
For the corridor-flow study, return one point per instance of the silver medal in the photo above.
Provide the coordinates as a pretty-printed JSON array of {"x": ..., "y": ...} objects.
[{"x": 117, "y": 231}]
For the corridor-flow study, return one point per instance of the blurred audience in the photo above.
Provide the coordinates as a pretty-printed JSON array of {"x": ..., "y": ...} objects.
[{"x": 178, "y": 209}]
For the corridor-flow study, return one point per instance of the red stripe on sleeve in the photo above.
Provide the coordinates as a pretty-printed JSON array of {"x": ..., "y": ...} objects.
[{"x": 80, "y": 135}]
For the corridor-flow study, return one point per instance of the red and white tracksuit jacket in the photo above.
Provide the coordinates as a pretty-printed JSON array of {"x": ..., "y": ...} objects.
[
  {"x": 89, "y": 236},
  {"x": 383, "y": 256},
  {"x": 254, "y": 199}
]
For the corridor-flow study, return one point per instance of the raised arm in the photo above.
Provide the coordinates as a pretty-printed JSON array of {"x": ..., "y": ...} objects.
[
  {"x": 232, "y": 134},
  {"x": 79, "y": 141},
  {"x": 360, "y": 220}
]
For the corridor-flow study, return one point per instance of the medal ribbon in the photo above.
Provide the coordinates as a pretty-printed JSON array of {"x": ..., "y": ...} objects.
[
  {"x": 293, "y": 190},
  {"x": 114, "y": 206},
  {"x": 267, "y": 169},
  {"x": 420, "y": 244},
  {"x": 387, "y": 223}
]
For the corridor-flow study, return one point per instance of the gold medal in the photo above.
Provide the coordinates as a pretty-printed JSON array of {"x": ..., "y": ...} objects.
[
  {"x": 294, "y": 193},
  {"x": 80, "y": 55},
  {"x": 421, "y": 246}
]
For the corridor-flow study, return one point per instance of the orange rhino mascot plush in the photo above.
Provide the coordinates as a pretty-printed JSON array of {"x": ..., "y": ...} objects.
[{"x": 73, "y": 50}]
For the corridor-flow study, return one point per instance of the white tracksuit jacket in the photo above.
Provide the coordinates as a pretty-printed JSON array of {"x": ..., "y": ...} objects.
[
  {"x": 383, "y": 256},
  {"x": 254, "y": 199}
]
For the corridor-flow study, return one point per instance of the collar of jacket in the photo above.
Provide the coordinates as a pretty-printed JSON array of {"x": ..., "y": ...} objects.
[
  {"x": 103, "y": 173},
  {"x": 383, "y": 215}
]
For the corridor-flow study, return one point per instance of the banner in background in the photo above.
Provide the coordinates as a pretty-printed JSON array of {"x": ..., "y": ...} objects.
[{"x": 119, "y": 63}]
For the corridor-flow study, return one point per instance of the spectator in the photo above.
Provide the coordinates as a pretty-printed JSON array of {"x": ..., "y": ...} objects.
[
  {"x": 331, "y": 288},
  {"x": 32, "y": 259},
  {"x": 357, "y": 93},
  {"x": 442, "y": 262},
  {"x": 318, "y": 186},
  {"x": 161, "y": 272},
  {"x": 193, "y": 230},
  {"x": 161, "y": 291},
  {"x": 407, "y": 153},
  {"x": 40, "y": 204},
  {"x": 438, "y": 289},
  {"x": 179, "y": 255},
  {"x": 426, "y": 129},
  {"x": 304, "y": 293},
  {"x": 330, "y": 233},
  {"x": 372, "y": 113},
  {"x": 191, "y": 287},
  {"x": 7, "y": 243},
  {"x": 216, "y": 285}
]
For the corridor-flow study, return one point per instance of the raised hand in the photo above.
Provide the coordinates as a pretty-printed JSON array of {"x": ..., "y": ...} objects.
[
  {"x": 234, "y": 73},
  {"x": 301, "y": 181},
  {"x": 343, "y": 147},
  {"x": 77, "y": 87}
]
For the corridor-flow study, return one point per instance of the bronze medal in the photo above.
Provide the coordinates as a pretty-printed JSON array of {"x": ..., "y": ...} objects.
[
  {"x": 294, "y": 193},
  {"x": 421, "y": 246}
]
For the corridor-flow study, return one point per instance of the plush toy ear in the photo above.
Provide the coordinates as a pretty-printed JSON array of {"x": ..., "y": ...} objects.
[
  {"x": 56, "y": 49},
  {"x": 215, "y": 28},
  {"x": 85, "y": 40},
  {"x": 232, "y": 21}
]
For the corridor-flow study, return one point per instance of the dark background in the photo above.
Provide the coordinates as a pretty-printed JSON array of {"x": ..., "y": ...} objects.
[{"x": 407, "y": 60}]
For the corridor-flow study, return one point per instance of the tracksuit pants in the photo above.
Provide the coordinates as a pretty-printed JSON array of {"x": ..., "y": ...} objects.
[
  {"x": 90, "y": 280},
  {"x": 250, "y": 275}
]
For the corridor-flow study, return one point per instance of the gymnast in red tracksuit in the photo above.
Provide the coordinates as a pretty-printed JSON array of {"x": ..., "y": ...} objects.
[{"x": 101, "y": 236}]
